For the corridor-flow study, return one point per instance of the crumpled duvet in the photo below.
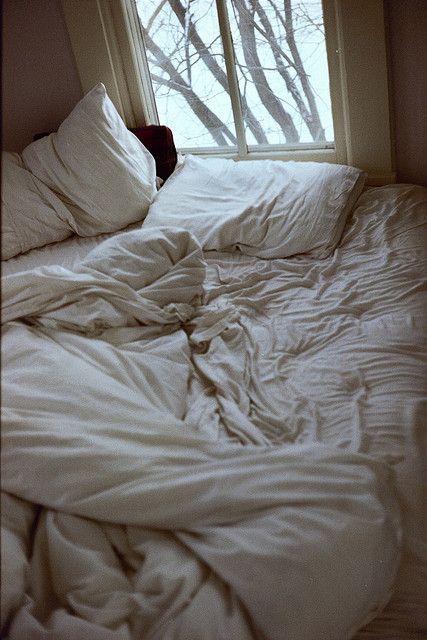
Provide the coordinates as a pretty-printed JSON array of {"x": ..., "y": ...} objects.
[{"x": 123, "y": 516}]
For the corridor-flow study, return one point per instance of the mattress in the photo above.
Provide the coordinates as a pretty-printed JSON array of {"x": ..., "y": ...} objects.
[{"x": 319, "y": 358}]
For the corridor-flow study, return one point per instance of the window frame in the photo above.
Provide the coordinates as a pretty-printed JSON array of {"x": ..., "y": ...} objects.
[{"x": 103, "y": 32}]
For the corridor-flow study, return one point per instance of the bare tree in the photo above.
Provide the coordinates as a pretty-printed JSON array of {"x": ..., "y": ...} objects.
[
  {"x": 217, "y": 71},
  {"x": 266, "y": 33},
  {"x": 219, "y": 131},
  {"x": 309, "y": 112}
]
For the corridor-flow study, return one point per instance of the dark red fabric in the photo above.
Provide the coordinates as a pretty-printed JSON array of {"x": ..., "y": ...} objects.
[{"x": 158, "y": 139}]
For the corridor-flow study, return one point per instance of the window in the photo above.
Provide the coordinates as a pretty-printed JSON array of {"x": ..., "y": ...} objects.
[
  {"x": 107, "y": 38},
  {"x": 239, "y": 73}
]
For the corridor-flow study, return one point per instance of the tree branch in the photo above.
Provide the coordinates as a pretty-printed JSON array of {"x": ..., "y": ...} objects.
[
  {"x": 218, "y": 130},
  {"x": 218, "y": 73},
  {"x": 269, "y": 100},
  {"x": 311, "y": 118},
  {"x": 318, "y": 131}
]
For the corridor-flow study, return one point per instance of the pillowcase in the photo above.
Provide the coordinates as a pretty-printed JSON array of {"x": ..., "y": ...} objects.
[
  {"x": 101, "y": 172},
  {"x": 264, "y": 208},
  {"x": 159, "y": 141},
  {"x": 32, "y": 215}
]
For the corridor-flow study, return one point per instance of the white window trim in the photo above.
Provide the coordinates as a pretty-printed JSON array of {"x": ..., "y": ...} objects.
[{"x": 356, "y": 43}]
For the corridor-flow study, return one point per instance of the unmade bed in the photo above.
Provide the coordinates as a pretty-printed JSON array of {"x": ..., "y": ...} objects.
[{"x": 214, "y": 402}]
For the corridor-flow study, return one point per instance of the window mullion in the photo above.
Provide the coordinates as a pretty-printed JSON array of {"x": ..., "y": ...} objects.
[
  {"x": 233, "y": 84},
  {"x": 143, "y": 93}
]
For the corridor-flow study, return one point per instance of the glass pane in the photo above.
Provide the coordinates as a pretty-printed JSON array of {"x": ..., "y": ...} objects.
[
  {"x": 282, "y": 70},
  {"x": 186, "y": 62}
]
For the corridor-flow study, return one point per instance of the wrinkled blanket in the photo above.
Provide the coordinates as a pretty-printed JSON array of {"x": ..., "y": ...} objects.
[{"x": 126, "y": 514}]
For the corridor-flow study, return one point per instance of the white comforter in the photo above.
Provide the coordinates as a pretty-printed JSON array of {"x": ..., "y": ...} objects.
[{"x": 208, "y": 458}]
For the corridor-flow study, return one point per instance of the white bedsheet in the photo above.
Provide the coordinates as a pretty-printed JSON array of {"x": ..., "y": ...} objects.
[
  {"x": 340, "y": 350},
  {"x": 69, "y": 253},
  {"x": 279, "y": 403}
]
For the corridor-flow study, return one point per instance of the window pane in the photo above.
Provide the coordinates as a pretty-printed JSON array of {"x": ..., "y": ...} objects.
[
  {"x": 282, "y": 70},
  {"x": 186, "y": 62}
]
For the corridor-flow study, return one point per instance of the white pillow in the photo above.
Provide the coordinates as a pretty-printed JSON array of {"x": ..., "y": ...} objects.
[
  {"x": 32, "y": 215},
  {"x": 101, "y": 171},
  {"x": 264, "y": 208}
]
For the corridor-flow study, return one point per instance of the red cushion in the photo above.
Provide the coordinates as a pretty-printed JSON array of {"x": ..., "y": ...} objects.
[{"x": 159, "y": 141}]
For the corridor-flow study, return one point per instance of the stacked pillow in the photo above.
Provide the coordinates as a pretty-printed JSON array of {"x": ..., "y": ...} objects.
[{"x": 90, "y": 177}]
